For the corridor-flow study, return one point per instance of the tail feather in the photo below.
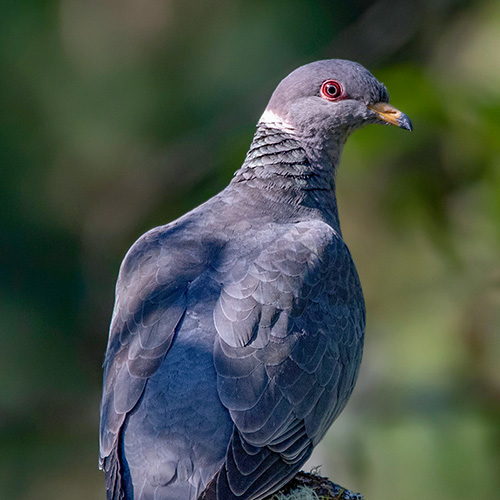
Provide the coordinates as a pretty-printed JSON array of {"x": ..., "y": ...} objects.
[{"x": 115, "y": 486}]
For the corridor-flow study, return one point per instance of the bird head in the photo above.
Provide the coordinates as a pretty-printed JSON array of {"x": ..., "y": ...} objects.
[{"x": 325, "y": 101}]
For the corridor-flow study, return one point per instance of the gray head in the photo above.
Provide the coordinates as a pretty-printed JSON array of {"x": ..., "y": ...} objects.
[{"x": 326, "y": 100}]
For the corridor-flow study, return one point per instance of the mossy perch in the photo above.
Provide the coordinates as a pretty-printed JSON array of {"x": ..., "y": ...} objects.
[{"x": 308, "y": 486}]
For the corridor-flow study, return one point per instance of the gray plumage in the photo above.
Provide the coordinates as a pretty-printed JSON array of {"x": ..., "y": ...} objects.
[{"x": 237, "y": 331}]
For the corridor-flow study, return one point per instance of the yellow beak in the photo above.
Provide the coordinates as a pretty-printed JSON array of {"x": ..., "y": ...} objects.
[{"x": 391, "y": 115}]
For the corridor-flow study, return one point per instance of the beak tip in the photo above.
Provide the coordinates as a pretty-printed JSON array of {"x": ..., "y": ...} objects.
[{"x": 405, "y": 122}]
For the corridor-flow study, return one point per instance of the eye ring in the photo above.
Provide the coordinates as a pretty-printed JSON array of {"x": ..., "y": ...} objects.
[{"x": 332, "y": 90}]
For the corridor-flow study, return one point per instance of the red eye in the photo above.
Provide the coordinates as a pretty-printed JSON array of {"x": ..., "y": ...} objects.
[{"x": 331, "y": 90}]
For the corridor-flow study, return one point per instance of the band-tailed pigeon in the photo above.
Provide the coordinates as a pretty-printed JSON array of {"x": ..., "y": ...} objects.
[{"x": 238, "y": 329}]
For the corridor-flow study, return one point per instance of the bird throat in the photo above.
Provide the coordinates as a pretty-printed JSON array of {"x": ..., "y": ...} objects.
[{"x": 280, "y": 168}]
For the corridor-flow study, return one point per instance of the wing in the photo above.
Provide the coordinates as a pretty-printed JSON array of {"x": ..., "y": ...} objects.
[
  {"x": 290, "y": 331},
  {"x": 151, "y": 296}
]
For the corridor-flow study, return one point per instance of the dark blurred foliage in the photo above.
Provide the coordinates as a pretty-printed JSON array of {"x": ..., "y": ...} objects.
[{"x": 121, "y": 115}]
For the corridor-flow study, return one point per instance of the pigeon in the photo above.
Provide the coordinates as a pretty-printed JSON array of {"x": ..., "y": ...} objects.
[{"x": 237, "y": 331}]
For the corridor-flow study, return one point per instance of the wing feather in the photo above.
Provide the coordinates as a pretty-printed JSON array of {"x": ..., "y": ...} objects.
[
  {"x": 151, "y": 301},
  {"x": 290, "y": 331}
]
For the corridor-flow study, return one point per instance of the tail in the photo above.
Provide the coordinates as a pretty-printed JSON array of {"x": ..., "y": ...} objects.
[{"x": 116, "y": 487}]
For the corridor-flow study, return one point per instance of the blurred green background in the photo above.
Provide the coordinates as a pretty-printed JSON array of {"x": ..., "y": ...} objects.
[{"x": 117, "y": 116}]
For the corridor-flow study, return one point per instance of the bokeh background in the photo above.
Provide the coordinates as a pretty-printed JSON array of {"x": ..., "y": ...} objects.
[{"x": 117, "y": 116}]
